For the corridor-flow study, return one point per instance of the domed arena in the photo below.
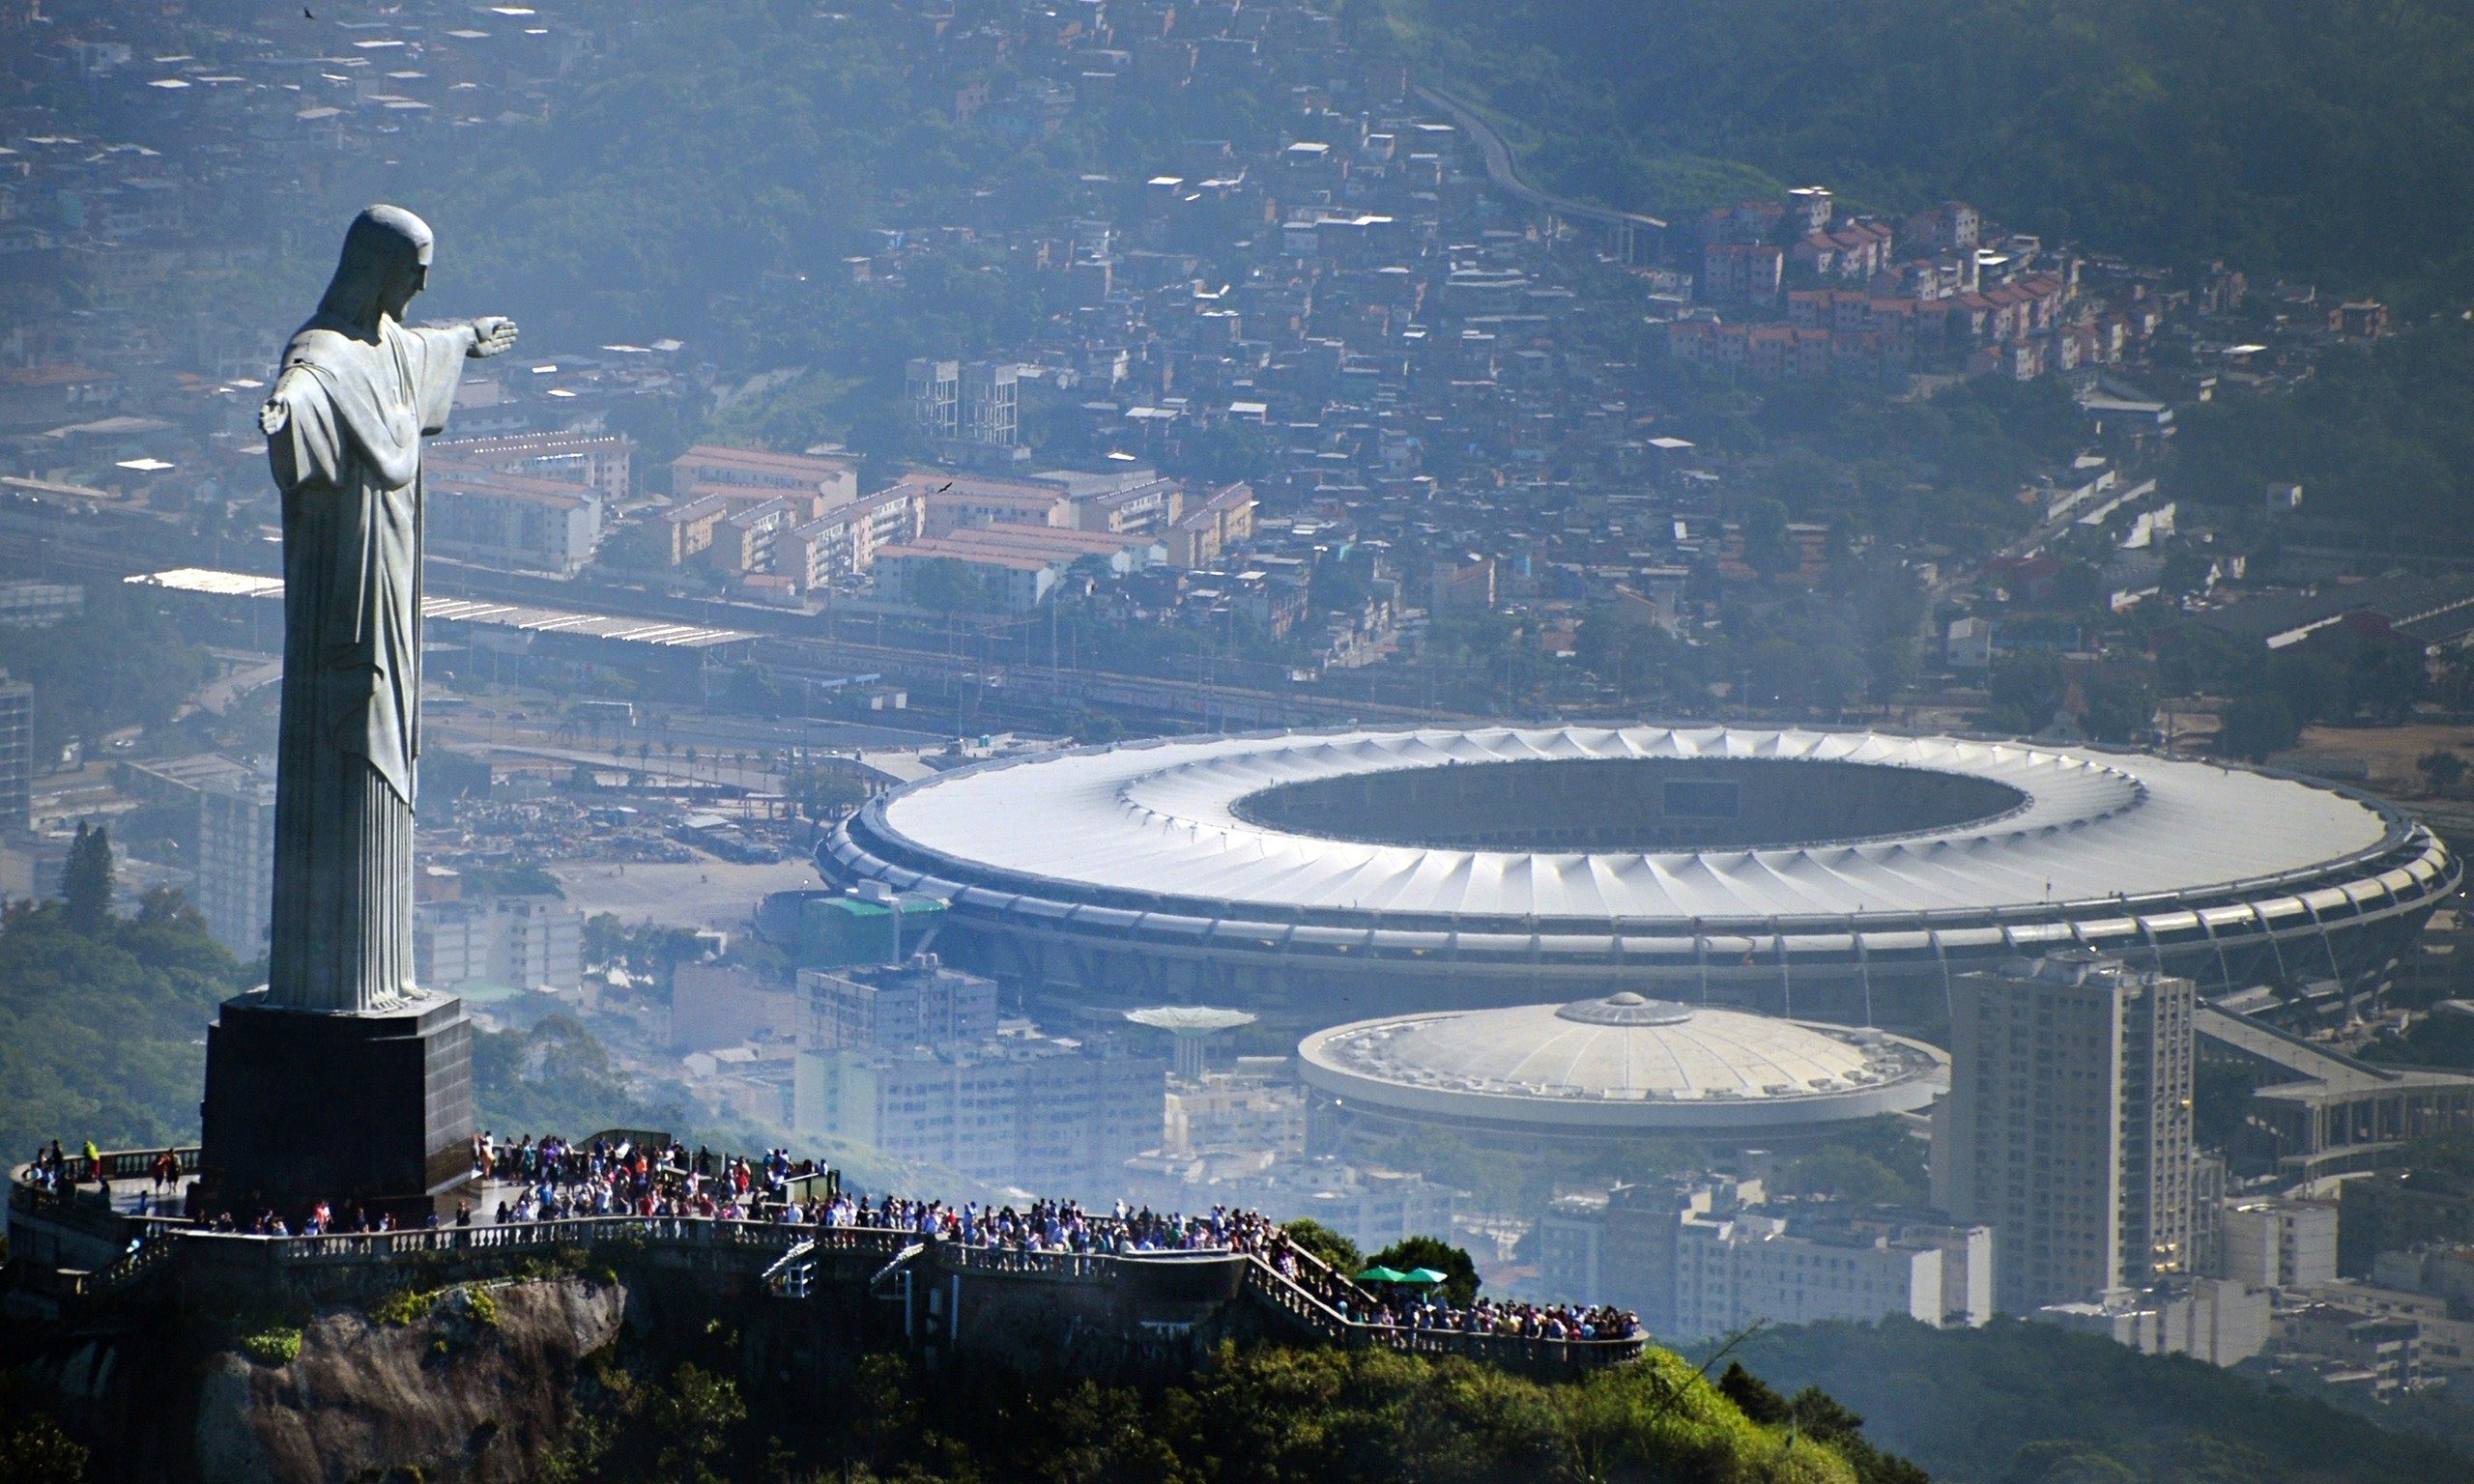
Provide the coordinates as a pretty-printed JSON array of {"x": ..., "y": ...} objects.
[
  {"x": 1620, "y": 1066},
  {"x": 1815, "y": 874}
]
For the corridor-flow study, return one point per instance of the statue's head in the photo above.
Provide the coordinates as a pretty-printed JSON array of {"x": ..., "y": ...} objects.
[{"x": 386, "y": 262}]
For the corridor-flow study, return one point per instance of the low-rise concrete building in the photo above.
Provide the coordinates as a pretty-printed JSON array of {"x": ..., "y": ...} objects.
[{"x": 2220, "y": 1321}]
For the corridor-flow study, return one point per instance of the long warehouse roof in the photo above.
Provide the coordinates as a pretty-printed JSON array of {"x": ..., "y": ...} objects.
[{"x": 659, "y": 632}]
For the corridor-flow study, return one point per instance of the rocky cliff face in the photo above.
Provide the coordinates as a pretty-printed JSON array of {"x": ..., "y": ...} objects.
[{"x": 479, "y": 1387}]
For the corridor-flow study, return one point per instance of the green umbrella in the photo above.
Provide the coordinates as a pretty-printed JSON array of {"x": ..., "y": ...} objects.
[
  {"x": 1382, "y": 1275},
  {"x": 1424, "y": 1275}
]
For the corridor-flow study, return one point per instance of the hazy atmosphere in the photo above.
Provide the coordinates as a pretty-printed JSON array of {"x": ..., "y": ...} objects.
[{"x": 1230, "y": 743}]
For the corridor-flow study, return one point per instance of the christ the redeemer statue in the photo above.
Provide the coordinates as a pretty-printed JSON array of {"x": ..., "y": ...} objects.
[{"x": 358, "y": 392}]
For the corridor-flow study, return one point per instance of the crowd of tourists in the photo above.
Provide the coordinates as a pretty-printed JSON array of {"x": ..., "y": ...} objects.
[
  {"x": 56, "y": 1169},
  {"x": 1054, "y": 1226},
  {"x": 552, "y": 1180},
  {"x": 1524, "y": 1320}
]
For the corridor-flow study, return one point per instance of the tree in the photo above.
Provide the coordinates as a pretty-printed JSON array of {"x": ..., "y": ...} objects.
[
  {"x": 2079, "y": 587},
  {"x": 2026, "y": 690},
  {"x": 948, "y": 586},
  {"x": 1754, "y": 1397},
  {"x": 2386, "y": 680},
  {"x": 2312, "y": 685},
  {"x": 2121, "y": 709},
  {"x": 1769, "y": 547},
  {"x": 1460, "y": 1281},
  {"x": 99, "y": 1032},
  {"x": 825, "y": 793},
  {"x": 1095, "y": 729},
  {"x": 2256, "y": 727},
  {"x": 2443, "y": 770},
  {"x": 1316, "y": 1239},
  {"x": 34, "y": 1450},
  {"x": 86, "y": 881}
]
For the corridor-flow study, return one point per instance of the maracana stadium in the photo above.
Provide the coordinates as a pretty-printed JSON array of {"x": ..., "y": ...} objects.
[{"x": 1816, "y": 874}]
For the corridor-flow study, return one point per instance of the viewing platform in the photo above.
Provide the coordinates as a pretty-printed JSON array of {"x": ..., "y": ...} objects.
[{"x": 84, "y": 1253}]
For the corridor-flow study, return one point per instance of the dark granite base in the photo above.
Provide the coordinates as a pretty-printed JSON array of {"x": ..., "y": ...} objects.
[{"x": 374, "y": 1110}]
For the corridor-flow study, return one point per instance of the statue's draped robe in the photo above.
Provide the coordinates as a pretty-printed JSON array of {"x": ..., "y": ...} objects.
[{"x": 348, "y": 461}]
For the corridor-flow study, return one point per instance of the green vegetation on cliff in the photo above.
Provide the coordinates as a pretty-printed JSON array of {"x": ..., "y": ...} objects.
[
  {"x": 33, "y": 1449},
  {"x": 2027, "y": 1404},
  {"x": 1266, "y": 1416}
]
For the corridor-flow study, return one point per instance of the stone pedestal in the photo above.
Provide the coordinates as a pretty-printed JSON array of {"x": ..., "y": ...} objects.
[{"x": 371, "y": 1109}]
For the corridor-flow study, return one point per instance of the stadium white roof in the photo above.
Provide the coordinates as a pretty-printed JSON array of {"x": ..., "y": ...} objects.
[{"x": 1158, "y": 821}]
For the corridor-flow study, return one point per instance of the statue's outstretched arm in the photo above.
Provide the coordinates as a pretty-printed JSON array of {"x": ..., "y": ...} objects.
[{"x": 492, "y": 334}]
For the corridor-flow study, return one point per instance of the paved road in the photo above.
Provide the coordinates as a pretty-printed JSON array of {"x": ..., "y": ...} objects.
[{"x": 1505, "y": 173}]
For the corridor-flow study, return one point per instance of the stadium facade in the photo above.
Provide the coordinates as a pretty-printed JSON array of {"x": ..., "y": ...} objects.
[{"x": 1817, "y": 875}]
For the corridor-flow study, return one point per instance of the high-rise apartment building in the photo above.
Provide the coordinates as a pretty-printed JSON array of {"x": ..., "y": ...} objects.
[
  {"x": 17, "y": 754},
  {"x": 236, "y": 862},
  {"x": 2068, "y": 1125},
  {"x": 896, "y": 1007}
]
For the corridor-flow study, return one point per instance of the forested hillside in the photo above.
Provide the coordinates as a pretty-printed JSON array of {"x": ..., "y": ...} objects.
[
  {"x": 2333, "y": 140},
  {"x": 2030, "y": 1404}
]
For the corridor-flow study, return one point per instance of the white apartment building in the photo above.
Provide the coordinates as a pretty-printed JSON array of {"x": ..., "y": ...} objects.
[
  {"x": 501, "y": 520},
  {"x": 1023, "y": 1109},
  {"x": 236, "y": 863},
  {"x": 1377, "y": 1207},
  {"x": 2221, "y": 1321},
  {"x": 2278, "y": 1243},
  {"x": 844, "y": 542},
  {"x": 17, "y": 754},
  {"x": 750, "y": 473},
  {"x": 1731, "y": 1271},
  {"x": 1259, "y": 1106},
  {"x": 1709, "y": 1258},
  {"x": 501, "y": 942},
  {"x": 601, "y": 461},
  {"x": 2068, "y": 1125}
]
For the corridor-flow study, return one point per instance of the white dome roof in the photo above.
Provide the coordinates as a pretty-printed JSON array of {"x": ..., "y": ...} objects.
[{"x": 1623, "y": 1064}]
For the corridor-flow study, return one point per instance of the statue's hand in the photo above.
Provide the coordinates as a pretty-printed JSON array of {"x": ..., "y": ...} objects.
[
  {"x": 492, "y": 334},
  {"x": 275, "y": 416}
]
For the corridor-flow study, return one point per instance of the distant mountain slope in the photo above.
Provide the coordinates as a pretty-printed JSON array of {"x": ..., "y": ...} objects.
[
  {"x": 2332, "y": 141},
  {"x": 2027, "y": 1404}
]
